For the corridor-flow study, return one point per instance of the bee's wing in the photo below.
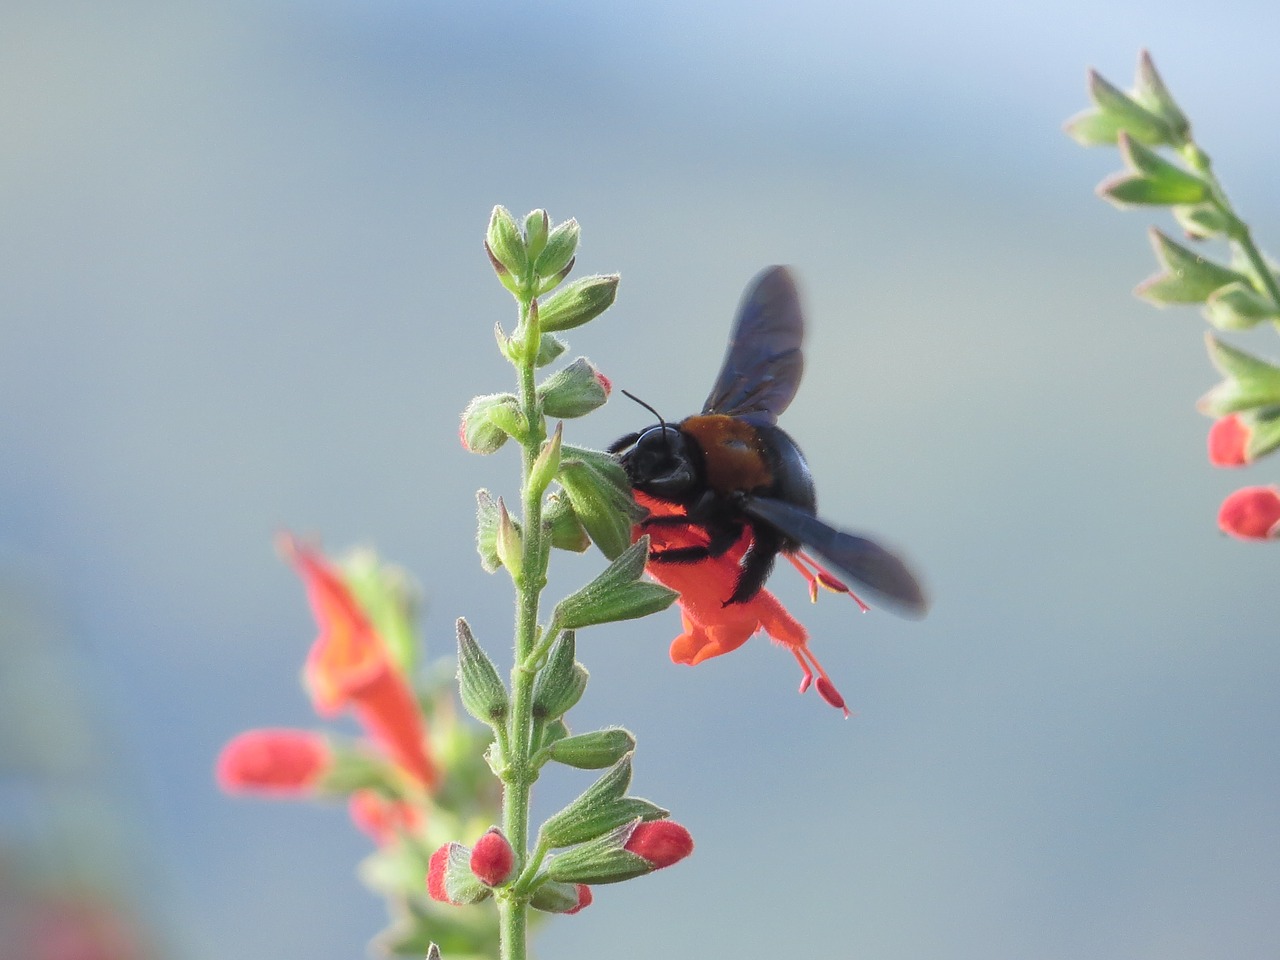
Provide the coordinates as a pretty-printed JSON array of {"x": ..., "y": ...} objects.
[
  {"x": 763, "y": 363},
  {"x": 863, "y": 560}
]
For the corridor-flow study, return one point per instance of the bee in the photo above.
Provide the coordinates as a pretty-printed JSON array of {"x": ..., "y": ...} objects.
[{"x": 731, "y": 468}]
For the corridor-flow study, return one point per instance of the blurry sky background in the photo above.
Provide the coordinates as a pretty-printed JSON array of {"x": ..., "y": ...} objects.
[{"x": 242, "y": 290}]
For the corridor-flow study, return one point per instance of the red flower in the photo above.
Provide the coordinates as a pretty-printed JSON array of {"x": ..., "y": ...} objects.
[
  {"x": 492, "y": 858},
  {"x": 712, "y": 628},
  {"x": 349, "y": 665},
  {"x": 661, "y": 842},
  {"x": 1228, "y": 442},
  {"x": 1252, "y": 513},
  {"x": 584, "y": 899},
  {"x": 273, "y": 762},
  {"x": 382, "y": 819}
]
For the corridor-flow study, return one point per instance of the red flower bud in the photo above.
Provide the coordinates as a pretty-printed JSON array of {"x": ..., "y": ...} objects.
[
  {"x": 492, "y": 858},
  {"x": 1228, "y": 440},
  {"x": 584, "y": 898},
  {"x": 436, "y": 868},
  {"x": 661, "y": 842},
  {"x": 274, "y": 762},
  {"x": 382, "y": 819},
  {"x": 1251, "y": 513}
]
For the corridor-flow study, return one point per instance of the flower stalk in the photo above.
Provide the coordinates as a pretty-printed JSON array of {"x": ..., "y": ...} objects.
[{"x": 592, "y": 502}]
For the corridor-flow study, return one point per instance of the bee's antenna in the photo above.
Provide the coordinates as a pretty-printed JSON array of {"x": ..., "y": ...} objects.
[
  {"x": 666, "y": 440},
  {"x": 631, "y": 396}
]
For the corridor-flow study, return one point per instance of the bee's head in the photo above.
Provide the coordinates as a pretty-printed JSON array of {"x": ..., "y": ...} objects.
[{"x": 663, "y": 462}]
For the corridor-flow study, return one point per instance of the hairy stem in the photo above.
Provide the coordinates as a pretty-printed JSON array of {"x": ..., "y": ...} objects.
[
  {"x": 520, "y": 771},
  {"x": 1237, "y": 230}
]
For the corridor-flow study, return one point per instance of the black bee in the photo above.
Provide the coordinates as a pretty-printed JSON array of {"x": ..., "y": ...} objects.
[{"x": 732, "y": 468}]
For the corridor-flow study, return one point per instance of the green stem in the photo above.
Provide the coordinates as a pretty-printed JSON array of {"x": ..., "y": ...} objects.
[
  {"x": 520, "y": 769},
  {"x": 1237, "y": 230}
]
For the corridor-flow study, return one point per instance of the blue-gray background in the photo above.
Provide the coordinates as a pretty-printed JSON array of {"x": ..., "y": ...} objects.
[{"x": 242, "y": 289}]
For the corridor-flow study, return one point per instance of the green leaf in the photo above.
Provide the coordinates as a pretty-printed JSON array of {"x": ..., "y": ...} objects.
[
  {"x": 616, "y": 594},
  {"x": 1188, "y": 277},
  {"x": 578, "y": 303},
  {"x": 1250, "y": 382},
  {"x": 1238, "y": 306},
  {"x": 482, "y": 691},
  {"x": 1127, "y": 113}
]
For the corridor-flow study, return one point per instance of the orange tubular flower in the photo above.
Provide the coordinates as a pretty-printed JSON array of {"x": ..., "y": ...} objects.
[
  {"x": 349, "y": 665},
  {"x": 710, "y": 627}
]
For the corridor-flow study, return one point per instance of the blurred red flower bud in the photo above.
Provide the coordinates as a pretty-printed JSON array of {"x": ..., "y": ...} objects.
[
  {"x": 1251, "y": 513},
  {"x": 492, "y": 858},
  {"x": 380, "y": 818},
  {"x": 437, "y": 866},
  {"x": 1228, "y": 441},
  {"x": 273, "y": 762},
  {"x": 661, "y": 842}
]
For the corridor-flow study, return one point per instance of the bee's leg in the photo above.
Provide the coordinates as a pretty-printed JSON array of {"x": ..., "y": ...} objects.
[
  {"x": 757, "y": 562},
  {"x": 721, "y": 538}
]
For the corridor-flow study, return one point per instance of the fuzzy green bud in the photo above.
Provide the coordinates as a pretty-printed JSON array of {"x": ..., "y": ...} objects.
[
  {"x": 566, "y": 531},
  {"x": 536, "y": 225},
  {"x": 505, "y": 245},
  {"x": 561, "y": 244},
  {"x": 508, "y": 542},
  {"x": 482, "y": 692},
  {"x": 579, "y": 302},
  {"x": 594, "y": 750},
  {"x": 486, "y": 422},
  {"x": 600, "y": 493},
  {"x": 574, "y": 391},
  {"x": 560, "y": 683},
  {"x": 547, "y": 465}
]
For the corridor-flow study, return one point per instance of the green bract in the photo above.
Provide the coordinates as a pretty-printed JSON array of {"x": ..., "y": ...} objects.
[
  {"x": 602, "y": 860},
  {"x": 592, "y": 751},
  {"x": 602, "y": 807},
  {"x": 504, "y": 243},
  {"x": 600, "y": 493},
  {"x": 573, "y": 391},
  {"x": 1187, "y": 278},
  {"x": 576, "y": 304},
  {"x": 616, "y": 594},
  {"x": 560, "y": 682},
  {"x": 1249, "y": 382},
  {"x": 482, "y": 692}
]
